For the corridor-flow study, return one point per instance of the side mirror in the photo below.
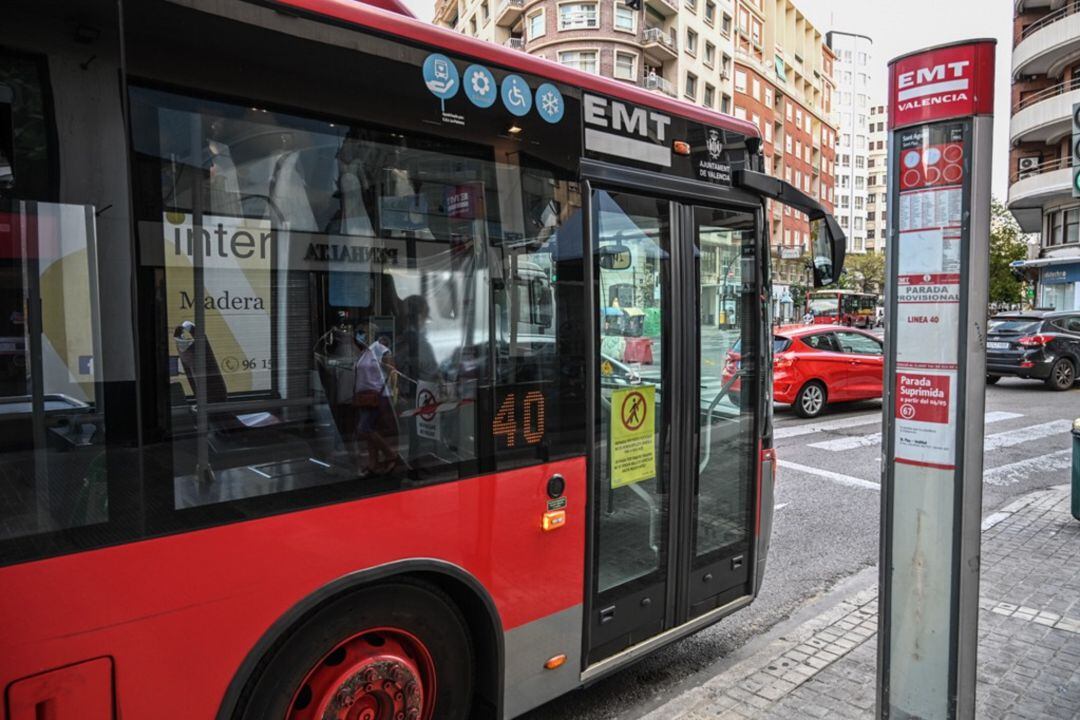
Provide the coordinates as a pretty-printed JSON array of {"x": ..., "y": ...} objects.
[
  {"x": 828, "y": 249},
  {"x": 614, "y": 257}
]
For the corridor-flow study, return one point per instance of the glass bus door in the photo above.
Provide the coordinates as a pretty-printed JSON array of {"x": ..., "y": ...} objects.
[
  {"x": 632, "y": 241},
  {"x": 673, "y": 467},
  {"x": 724, "y": 260}
]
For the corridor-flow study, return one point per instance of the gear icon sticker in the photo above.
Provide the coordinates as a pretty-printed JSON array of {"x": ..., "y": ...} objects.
[{"x": 480, "y": 86}]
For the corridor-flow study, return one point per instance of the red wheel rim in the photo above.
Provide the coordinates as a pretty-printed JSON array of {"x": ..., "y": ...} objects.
[{"x": 379, "y": 674}]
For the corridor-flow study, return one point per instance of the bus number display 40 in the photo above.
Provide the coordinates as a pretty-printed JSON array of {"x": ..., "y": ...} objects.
[{"x": 522, "y": 413}]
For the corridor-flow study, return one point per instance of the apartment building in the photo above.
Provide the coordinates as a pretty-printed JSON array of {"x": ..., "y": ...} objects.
[
  {"x": 784, "y": 85},
  {"x": 852, "y": 108},
  {"x": 681, "y": 48},
  {"x": 1046, "y": 84},
  {"x": 760, "y": 60},
  {"x": 877, "y": 178}
]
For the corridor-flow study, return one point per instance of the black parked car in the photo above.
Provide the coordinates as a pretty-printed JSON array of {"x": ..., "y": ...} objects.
[{"x": 1036, "y": 344}]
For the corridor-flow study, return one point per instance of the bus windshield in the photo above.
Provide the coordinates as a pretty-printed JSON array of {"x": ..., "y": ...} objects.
[{"x": 824, "y": 305}]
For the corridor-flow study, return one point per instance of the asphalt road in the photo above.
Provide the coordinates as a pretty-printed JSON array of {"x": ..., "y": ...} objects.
[{"x": 826, "y": 526}]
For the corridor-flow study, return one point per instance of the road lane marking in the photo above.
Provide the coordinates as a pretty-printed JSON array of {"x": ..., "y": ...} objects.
[
  {"x": 1021, "y": 470},
  {"x": 857, "y": 441},
  {"x": 829, "y": 475},
  {"x": 811, "y": 428},
  {"x": 1023, "y": 435}
]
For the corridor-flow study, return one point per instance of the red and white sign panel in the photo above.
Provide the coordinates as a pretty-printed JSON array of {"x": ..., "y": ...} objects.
[
  {"x": 933, "y": 166},
  {"x": 925, "y": 416},
  {"x": 942, "y": 83},
  {"x": 922, "y": 397}
]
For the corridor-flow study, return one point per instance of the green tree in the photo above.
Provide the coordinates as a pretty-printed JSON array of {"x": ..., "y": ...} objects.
[
  {"x": 864, "y": 273},
  {"x": 1006, "y": 247}
]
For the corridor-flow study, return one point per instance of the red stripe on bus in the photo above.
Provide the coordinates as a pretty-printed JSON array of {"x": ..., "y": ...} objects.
[
  {"x": 196, "y": 603},
  {"x": 444, "y": 40}
]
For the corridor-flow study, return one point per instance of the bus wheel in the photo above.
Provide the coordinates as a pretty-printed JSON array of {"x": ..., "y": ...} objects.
[
  {"x": 394, "y": 652},
  {"x": 810, "y": 402}
]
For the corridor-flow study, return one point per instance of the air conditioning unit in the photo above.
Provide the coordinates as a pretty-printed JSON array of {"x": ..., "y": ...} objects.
[{"x": 1028, "y": 165}]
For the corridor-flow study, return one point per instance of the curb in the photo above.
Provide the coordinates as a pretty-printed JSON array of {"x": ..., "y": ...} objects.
[{"x": 795, "y": 651}]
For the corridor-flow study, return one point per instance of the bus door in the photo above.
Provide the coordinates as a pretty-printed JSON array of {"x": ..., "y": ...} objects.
[{"x": 674, "y": 447}]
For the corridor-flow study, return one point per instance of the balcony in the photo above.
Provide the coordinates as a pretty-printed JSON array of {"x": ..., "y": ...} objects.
[
  {"x": 515, "y": 43},
  {"x": 509, "y": 12},
  {"x": 1048, "y": 45},
  {"x": 666, "y": 8},
  {"x": 1029, "y": 192},
  {"x": 660, "y": 85},
  {"x": 660, "y": 44},
  {"x": 1045, "y": 116}
]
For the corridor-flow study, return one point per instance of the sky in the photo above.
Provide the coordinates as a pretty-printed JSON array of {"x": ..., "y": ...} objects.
[{"x": 900, "y": 27}]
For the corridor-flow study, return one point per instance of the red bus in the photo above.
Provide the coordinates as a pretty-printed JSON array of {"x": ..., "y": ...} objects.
[
  {"x": 309, "y": 407},
  {"x": 843, "y": 307}
]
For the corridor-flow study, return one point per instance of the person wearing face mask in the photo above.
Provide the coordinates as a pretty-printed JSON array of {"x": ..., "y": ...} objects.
[{"x": 376, "y": 423}]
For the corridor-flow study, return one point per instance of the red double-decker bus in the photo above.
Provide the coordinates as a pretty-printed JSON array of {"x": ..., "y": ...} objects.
[{"x": 350, "y": 366}]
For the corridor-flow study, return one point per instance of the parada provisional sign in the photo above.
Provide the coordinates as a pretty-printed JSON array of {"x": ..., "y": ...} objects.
[{"x": 633, "y": 439}]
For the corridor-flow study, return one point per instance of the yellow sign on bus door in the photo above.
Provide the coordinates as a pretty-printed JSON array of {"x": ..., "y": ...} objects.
[{"x": 633, "y": 443}]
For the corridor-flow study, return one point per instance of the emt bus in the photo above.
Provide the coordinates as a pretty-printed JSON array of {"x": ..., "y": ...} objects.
[
  {"x": 307, "y": 409},
  {"x": 843, "y": 307}
]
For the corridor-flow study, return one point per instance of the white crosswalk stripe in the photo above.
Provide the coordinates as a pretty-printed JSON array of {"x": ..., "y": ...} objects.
[
  {"x": 857, "y": 441},
  {"x": 840, "y": 424},
  {"x": 1023, "y": 469},
  {"x": 1023, "y": 435}
]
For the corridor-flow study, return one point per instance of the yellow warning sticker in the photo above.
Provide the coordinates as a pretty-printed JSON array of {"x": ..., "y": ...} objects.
[
  {"x": 606, "y": 368},
  {"x": 633, "y": 443}
]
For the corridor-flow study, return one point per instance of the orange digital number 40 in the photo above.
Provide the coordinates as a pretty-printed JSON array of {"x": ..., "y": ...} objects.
[{"x": 533, "y": 415}]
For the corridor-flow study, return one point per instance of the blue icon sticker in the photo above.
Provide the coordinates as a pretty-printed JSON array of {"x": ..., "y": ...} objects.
[
  {"x": 549, "y": 103},
  {"x": 441, "y": 76},
  {"x": 516, "y": 95},
  {"x": 480, "y": 86}
]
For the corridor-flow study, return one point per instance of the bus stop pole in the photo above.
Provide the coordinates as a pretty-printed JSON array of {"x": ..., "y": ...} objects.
[{"x": 940, "y": 142}]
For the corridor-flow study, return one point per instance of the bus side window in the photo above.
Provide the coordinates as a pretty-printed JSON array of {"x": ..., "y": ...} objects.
[{"x": 65, "y": 313}]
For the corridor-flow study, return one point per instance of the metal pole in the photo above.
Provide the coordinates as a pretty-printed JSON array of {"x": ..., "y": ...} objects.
[
  {"x": 972, "y": 406},
  {"x": 198, "y": 291},
  {"x": 941, "y": 125}
]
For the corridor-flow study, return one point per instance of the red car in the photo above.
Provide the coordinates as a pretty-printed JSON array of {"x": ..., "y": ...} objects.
[{"x": 814, "y": 365}]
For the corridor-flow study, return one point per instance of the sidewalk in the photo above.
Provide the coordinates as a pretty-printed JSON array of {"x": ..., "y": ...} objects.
[{"x": 1029, "y": 637}]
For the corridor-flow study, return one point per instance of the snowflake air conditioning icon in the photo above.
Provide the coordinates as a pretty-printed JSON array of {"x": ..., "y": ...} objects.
[
  {"x": 713, "y": 145},
  {"x": 550, "y": 103}
]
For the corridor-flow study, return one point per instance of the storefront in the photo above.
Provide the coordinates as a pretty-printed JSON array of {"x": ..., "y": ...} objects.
[
  {"x": 1057, "y": 282},
  {"x": 1059, "y": 286}
]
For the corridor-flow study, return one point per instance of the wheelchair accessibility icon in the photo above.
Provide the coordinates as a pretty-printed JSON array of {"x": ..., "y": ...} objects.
[{"x": 516, "y": 95}]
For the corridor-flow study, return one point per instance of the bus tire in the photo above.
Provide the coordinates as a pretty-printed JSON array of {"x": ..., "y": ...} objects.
[
  {"x": 811, "y": 400},
  {"x": 379, "y": 649}
]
